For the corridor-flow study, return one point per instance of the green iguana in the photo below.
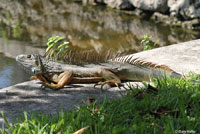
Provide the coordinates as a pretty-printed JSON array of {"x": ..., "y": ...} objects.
[{"x": 126, "y": 68}]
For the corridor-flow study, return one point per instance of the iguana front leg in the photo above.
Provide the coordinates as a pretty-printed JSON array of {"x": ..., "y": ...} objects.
[
  {"x": 62, "y": 80},
  {"x": 40, "y": 77},
  {"x": 56, "y": 82}
]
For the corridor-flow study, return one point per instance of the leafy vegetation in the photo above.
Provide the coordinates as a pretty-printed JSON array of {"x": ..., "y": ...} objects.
[
  {"x": 172, "y": 107},
  {"x": 148, "y": 44},
  {"x": 60, "y": 49},
  {"x": 56, "y": 47}
]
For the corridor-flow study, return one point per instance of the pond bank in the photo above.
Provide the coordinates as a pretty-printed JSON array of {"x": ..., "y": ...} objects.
[
  {"x": 30, "y": 97},
  {"x": 86, "y": 27},
  {"x": 179, "y": 13}
]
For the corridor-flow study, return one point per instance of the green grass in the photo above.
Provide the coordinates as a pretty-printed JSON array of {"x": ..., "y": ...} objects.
[{"x": 137, "y": 113}]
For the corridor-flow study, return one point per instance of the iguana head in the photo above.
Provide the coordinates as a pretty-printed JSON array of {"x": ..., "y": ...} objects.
[
  {"x": 36, "y": 63},
  {"x": 31, "y": 63}
]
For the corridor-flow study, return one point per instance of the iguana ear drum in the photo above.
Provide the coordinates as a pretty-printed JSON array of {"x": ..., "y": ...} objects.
[{"x": 35, "y": 70}]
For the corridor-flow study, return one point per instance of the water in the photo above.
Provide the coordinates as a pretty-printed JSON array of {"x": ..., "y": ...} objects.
[
  {"x": 88, "y": 28},
  {"x": 10, "y": 72}
]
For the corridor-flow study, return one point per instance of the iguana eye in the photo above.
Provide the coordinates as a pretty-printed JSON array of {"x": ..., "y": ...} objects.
[{"x": 29, "y": 56}]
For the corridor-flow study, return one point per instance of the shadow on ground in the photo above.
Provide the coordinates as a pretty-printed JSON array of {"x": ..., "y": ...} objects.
[{"x": 30, "y": 97}]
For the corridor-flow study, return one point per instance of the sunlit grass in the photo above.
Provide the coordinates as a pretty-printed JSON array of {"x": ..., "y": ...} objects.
[{"x": 174, "y": 107}]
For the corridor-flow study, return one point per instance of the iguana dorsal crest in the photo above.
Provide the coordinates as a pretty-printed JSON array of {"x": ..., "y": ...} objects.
[{"x": 137, "y": 61}]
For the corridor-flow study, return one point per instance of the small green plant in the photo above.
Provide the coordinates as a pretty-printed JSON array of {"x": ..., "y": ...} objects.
[
  {"x": 8, "y": 16},
  {"x": 17, "y": 30},
  {"x": 148, "y": 44},
  {"x": 56, "y": 47},
  {"x": 193, "y": 76}
]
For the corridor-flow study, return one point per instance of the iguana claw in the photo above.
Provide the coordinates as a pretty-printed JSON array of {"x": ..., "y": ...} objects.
[
  {"x": 101, "y": 84},
  {"x": 111, "y": 83},
  {"x": 51, "y": 85}
]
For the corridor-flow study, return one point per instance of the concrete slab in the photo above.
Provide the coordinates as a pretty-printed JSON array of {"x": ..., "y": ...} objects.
[
  {"x": 183, "y": 57},
  {"x": 29, "y": 96}
]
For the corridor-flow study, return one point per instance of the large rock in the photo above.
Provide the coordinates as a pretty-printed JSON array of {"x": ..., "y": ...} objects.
[
  {"x": 184, "y": 8},
  {"x": 93, "y": 1},
  {"x": 151, "y": 5},
  {"x": 119, "y": 4}
]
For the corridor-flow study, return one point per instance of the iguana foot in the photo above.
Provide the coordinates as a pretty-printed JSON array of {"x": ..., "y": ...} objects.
[
  {"x": 111, "y": 83},
  {"x": 51, "y": 85},
  {"x": 110, "y": 77}
]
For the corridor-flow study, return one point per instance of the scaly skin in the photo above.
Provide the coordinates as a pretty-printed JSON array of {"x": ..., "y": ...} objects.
[{"x": 56, "y": 75}]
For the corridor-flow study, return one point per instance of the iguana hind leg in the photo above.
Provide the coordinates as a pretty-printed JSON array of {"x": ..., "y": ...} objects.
[{"x": 110, "y": 78}]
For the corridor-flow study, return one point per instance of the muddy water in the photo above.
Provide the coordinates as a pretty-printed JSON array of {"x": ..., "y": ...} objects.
[
  {"x": 89, "y": 28},
  {"x": 10, "y": 72}
]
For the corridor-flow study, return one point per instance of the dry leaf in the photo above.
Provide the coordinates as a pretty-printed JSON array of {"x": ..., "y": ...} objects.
[
  {"x": 81, "y": 130},
  {"x": 60, "y": 132},
  {"x": 163, "y": 111}
]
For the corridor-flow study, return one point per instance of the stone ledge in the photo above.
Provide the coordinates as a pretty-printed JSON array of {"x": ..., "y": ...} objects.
[
  {"x": 30, "y": 97},
  {"x": 181, "y": 57}
]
